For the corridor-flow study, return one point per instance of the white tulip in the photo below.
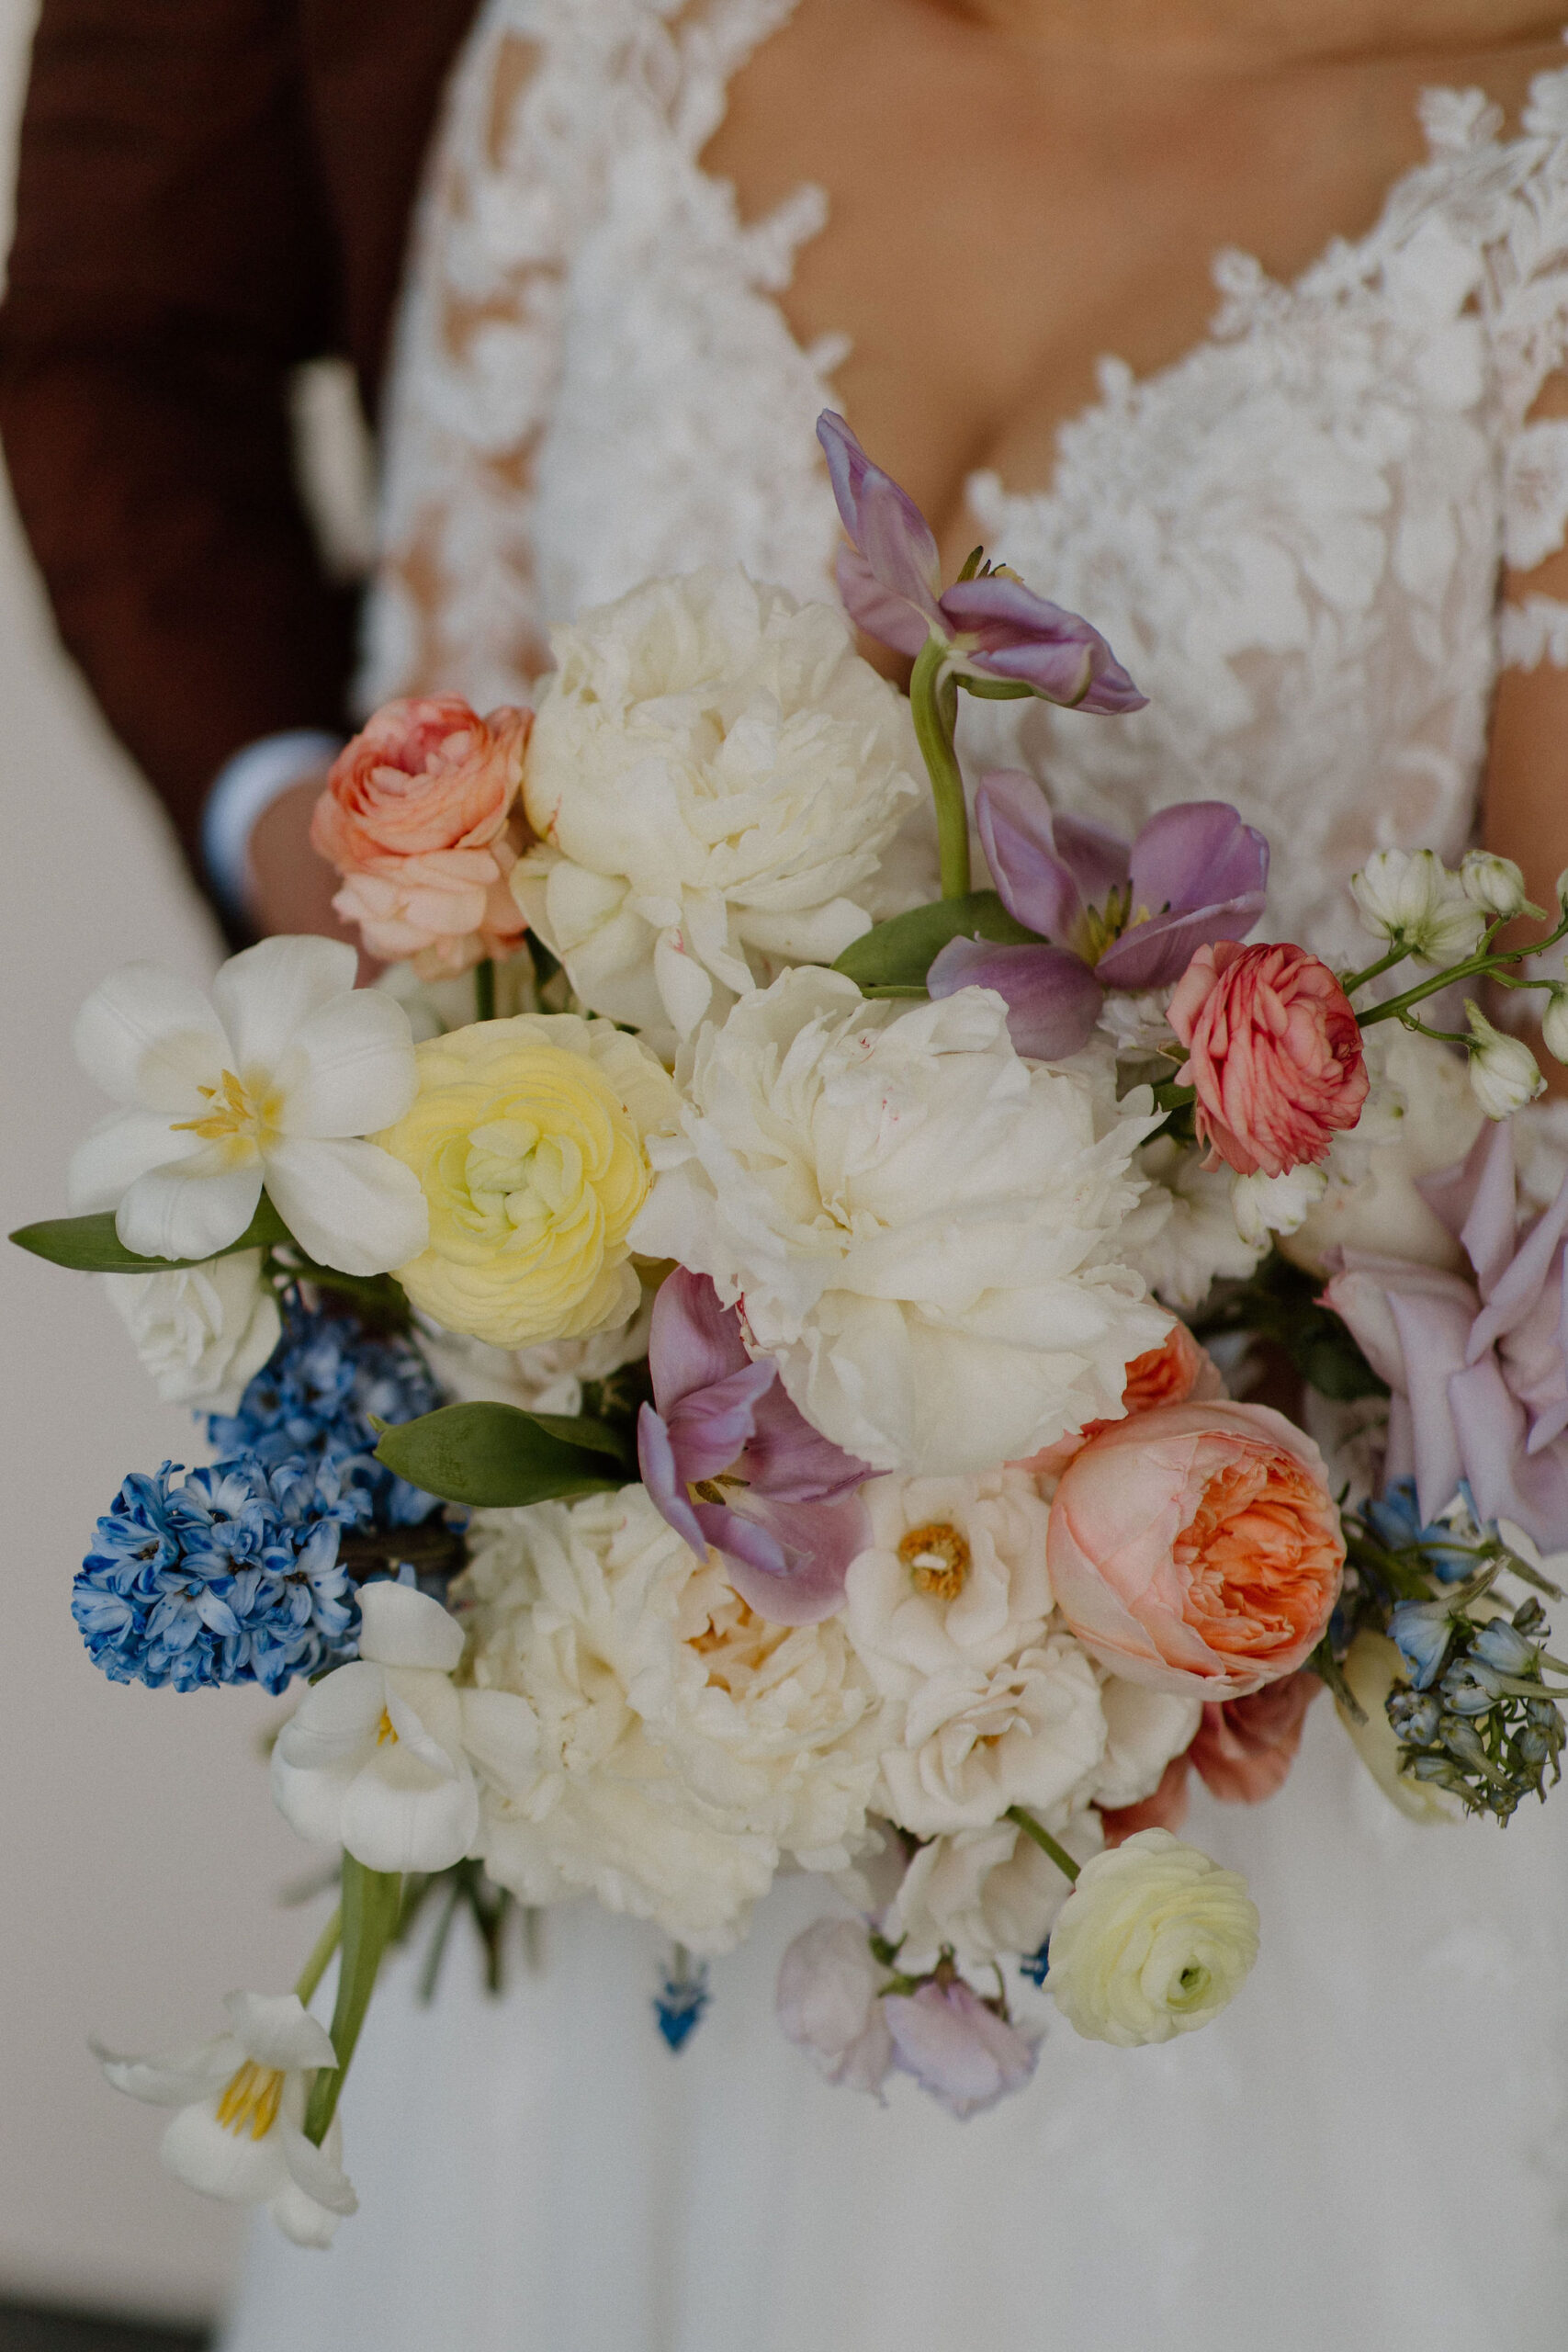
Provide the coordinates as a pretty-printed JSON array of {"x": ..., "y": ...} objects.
[
  {"x": 1409, "y": 897},
  {"x": 1495, "y": 884},
  {"x": 276, "y": 1086},
  {"x": 200, "y": 1331},
  {"x": 1154, "y": 1940},
  {"x": 239, "y": 2133},
  {"x": 1503, "y": 1074},
  {"x": 378, "y": 1756}
]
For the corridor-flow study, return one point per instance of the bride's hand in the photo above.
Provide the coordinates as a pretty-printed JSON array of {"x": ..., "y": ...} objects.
[{"x": 288, "y": 887}]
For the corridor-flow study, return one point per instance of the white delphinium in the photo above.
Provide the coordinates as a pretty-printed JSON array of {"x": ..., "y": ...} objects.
[
  {"x": 685, "y": 1745},
  {"x": 1154, "y": 1940},
  {"x": 200, "y": 1331},
  {"x": 954, "y": 1576},
  {"x": 1182, "y": 1236},
  {"x": 1410, "y": 899},
  {"x": 1554, "y": 1024},
  {"x": 378, "y": 1756},
  {"x": 713, "y": 773},
  {"x": 1503, "y": 1073},
  {"x": 1495, "y": 884},
  {"x": 923, "y": 1225},
  {"x": 239, "y": 2133},
  {"x": 280, "y": 1085}
]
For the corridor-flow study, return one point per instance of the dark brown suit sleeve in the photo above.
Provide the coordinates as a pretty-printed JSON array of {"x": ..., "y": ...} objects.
[{"x": 174, "y": 257}]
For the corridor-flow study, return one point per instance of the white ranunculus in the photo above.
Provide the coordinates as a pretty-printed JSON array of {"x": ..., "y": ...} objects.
[
  {"x": 1423, "y": 1118},
  {"x": 713, "y": 773},
  {"x": 685, "y": 1746},
  {"x": 1144, "y": 1729},
  {"x": 280, "y": 1085},
  {"x": 922, "y": 1225},
  {"x": 1154, "y": 1940},
  {"x": 1030, "y": 1732},
  {"x": 1182, "y": 1237},
  {"x": 200, "y": 1331},
  {"x": 828, "y": 2002},
  {"x": 954, "y": 1576},
  {"x": 239, "y": 2133},
  {"x": 378, "y": 1756},
  {"x": 986, "y": 1893}
]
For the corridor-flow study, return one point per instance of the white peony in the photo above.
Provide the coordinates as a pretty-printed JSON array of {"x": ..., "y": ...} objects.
[
  {"x": 923, "y": 1225},
  {"x": 1030, "y": 1732},
  {"x": 986, "y": 1891},
  {"x": 713, "y": 773},
  {"x": 1183, "y": 1235},
  {"x": 200, "y": 1331},
  {"x": 685, "y": 1746},
  {"x": 954, "y": 1576},
  {"x": 1154, "y": 1940}
]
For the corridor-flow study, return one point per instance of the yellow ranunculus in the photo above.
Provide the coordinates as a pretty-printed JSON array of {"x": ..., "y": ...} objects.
[{"x": 526, "y": 1137}]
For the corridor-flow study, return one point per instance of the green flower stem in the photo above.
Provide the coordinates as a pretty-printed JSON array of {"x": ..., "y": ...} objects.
[
  {"x": 1485, "y": 965},
  {"x": 1354, "y": 981},
  {"x": 1047, "y": 1843},
  {"x": 484, "y": 989},
  {"x": 933, "y": 705},
  {"x": 372, "y": 1902},
  {"x": 315, "y": 1968}
]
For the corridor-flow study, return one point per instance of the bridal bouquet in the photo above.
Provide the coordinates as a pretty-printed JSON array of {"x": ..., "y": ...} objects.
[{"x": 746, "y": 1349}]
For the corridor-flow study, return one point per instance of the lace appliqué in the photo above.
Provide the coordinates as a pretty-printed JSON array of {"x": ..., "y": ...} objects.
[{"x": 1533, "y": 630}]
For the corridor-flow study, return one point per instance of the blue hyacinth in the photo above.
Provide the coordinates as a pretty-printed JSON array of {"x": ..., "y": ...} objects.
[
  {"x": 314, "y": 1398},
  {"x": 230, "y": 1575}
]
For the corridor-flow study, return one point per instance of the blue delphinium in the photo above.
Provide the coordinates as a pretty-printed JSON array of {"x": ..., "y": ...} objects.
[
  {"x": 681, "y": 1999},
  {"x": 1449, "y": 1550},
  {"x": 314, "y": 1398},
  {"x": 230, "y": 1575}
]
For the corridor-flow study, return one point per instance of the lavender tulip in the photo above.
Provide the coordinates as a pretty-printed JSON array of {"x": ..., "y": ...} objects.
[
  {"x": 1478, "y": 1368},
  {"x": 956, "y": 2047},
  {"x": 771, "y": 1493},
  {"x": 1115, "y": 915},
  {"x": 992, "y": 626}
]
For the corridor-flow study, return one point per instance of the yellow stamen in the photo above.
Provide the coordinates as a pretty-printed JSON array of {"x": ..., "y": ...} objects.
[
  {"x": 251, "y": 2097},
  {"x": 235, "y": 1112},
  {"x": 937, "y": 1559},
  {"x": 384, "y": 1730}
]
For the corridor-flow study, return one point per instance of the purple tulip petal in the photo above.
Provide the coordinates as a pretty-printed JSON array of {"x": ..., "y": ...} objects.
[
  {"x": 788, "y": 1561},
  {"x": 1152, "y": 955},
  {"x": 710, "y": 1427},
  {"x": 666, "y": 1487},
  {"x": 957, "y": 2049},
  {"x": 1034, "y": 881},
  {"x": 891, "y": 620},
  {"x": 1197, "y": 855},
  {"x": 1093, "y": 854},
  {"x": 788, "y": 1461},
  {"x": 1017, "y": 635},
  {"x": 1053, "y": 999},
  {"x": 882, "y": 520},
  {"x": 692, "y": 1340}
]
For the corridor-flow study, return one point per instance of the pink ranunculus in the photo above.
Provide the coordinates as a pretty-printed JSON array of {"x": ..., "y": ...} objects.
[
  {"x": 1178, "y": 1370},
  {"x": 1196, "y": 1548},
  {"x": 416, "y": 818},
  {"x": 1274, "y": 1051}
]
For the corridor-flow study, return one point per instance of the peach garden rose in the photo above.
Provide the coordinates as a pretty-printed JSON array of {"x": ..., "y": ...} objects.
[
  {"x": 1196, "y": 1548},
  {"x": 1274, "y": 1051},
  {"x": 416, "y": 818}
]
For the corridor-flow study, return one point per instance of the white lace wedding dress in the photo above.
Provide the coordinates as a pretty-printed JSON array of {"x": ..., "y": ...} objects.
[{"x": 1293, "y": 537}]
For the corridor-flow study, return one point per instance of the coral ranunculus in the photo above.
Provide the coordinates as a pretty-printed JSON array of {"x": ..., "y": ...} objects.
[
  {"x": 414, "y": 817},
  {"x": 1196, "y": 1548},
  {"x": 1274, "y": 1051}
]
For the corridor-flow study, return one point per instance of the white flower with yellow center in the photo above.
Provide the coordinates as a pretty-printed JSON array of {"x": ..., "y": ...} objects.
[
  {"x": 973, "y": 1742},
  {"x": 239, "y": 2133},
  {"x": 277, "y": 1083},
  {"x": 954, "y": 1576}
]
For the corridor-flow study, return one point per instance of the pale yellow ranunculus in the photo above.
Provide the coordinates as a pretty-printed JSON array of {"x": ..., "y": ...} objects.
[{"x": 526, "y": 1137}]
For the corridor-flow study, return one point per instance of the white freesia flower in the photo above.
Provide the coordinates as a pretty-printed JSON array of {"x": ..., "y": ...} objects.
[
  {"x": 923, "y": 1225},
  {"x": 1030, "y": 1732},
  {"x": 828, "y": 2004},
  {"x": 1410, "y": 899},
  {"x": 954, "y": 1576},
  {"x": 378, "y": 1756},
  {"x": 986, "y": 1893},
  {"x": 1503, "y": 1074},
  {"x": 713, "y": 773},
  {"x": 276, "y": 1086},
  {"x": 1154, "y": 1940},
  {"x": 200, "y": 1331},
  {"x": 685, "y": 1745},
  {"x": 239, "y": 2133},
  {"x": 1420, "y": 1116},
  {"x": 1182, "y": 1236}
]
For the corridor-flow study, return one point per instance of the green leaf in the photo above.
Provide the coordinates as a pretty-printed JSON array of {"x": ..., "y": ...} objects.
[
  {"x": 91, "y": 1245},
  {"x": 496, "y": 1455},
  {"x": 371, "y": 1903},
  {"x": 899, "y": 953}
]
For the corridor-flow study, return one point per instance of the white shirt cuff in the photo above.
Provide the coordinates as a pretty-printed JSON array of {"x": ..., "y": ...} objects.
[{"x": 242, "y": 788}]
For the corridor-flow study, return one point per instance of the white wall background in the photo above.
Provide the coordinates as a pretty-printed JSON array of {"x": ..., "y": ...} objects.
[{"x": 141, "y": 1859}]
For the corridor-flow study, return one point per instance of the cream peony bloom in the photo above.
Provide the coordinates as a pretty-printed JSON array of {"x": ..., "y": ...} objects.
[
  {"x": 1154, "y": 1940},
  {"x": 923, "y": 1225},
  {"x": 986, "y": 1893},
  {"x": 527, "y": 1139},
  {"x": 1030, "y": 1732},
  {"x": 714, "y": 775},
  {"x": 954, "y": 1577},
  {"x": 685, "y": 1746},
  {"x": 200, "y": 1331},
  {"x": 279, "y": 1085}
]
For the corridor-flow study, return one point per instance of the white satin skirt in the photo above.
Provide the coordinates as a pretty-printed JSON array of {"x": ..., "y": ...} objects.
[{"x": 1369, "y": 2149}]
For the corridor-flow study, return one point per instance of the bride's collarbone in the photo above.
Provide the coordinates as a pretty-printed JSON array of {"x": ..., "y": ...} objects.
[{"x": 1000, "y": 219}]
